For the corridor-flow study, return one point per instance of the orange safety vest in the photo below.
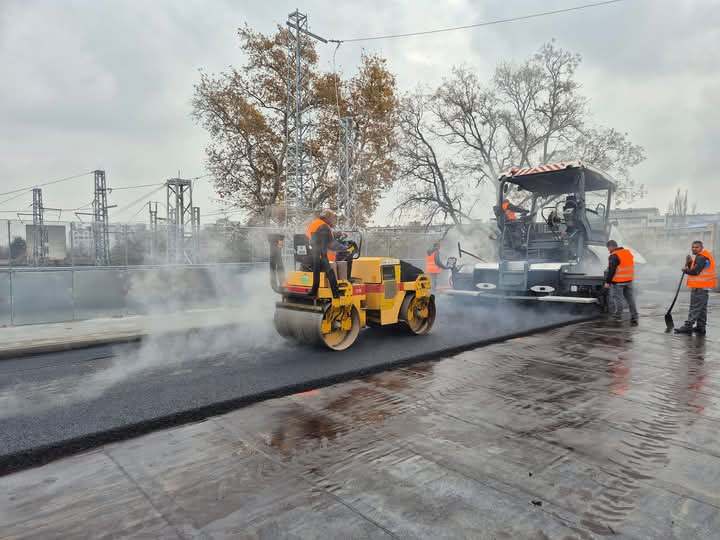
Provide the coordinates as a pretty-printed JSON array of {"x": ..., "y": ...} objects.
[
  {"x": 430, "y": 266},
  {"x": 509, "y": 214},
  {"x": 625, "y": 271},
  {"x": 314, "y": 225},
  {"x": 707, "y": 279}
]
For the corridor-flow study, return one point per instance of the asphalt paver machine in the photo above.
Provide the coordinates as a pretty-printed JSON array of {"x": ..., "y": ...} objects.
[{"x": 554, "y": 250}]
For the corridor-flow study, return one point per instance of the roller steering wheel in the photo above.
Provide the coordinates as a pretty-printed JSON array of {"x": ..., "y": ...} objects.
[{"x": 353, "y": 248}]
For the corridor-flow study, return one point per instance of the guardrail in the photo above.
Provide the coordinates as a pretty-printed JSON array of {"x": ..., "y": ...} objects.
[{"x": 58, "y": 294}]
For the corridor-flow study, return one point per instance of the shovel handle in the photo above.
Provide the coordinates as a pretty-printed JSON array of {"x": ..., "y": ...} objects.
[{"x": 677, "y": 292}]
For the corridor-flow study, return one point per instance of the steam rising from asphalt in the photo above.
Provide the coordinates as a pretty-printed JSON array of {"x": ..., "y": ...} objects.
[{"x": 246, "y": 299}]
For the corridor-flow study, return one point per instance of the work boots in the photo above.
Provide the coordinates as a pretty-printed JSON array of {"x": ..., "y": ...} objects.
[
  {"x": 700, "y": 330},
  {"x": 685, "y": 329}
]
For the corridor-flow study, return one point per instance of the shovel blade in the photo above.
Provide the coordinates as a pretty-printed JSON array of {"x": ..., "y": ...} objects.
[{"x": 669, "y": 323}]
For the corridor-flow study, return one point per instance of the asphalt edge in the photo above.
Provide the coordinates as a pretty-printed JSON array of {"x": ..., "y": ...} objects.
[
  {"x": 36, "y": 457},
  {"x": 99, "y": 342}
]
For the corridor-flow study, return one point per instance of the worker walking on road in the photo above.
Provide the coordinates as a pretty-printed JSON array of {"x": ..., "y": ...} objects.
[
  {"x": 619, "y": 280},
  {"x": 702, "y": 278},
  {"x": 433, "y": 264}
]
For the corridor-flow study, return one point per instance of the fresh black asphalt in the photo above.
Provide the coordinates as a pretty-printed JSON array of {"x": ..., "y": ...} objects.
[{"x": 56, "y": 404}]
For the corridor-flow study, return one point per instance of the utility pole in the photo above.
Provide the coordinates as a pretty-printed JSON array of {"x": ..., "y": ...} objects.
[
  {"x": 179, "y": 215},
  {"x": 152, "y": 210},
  {"x": 296, "y": 189},
  {"x": 345, "y": 191},
  {"x": 196, "y": 233}
]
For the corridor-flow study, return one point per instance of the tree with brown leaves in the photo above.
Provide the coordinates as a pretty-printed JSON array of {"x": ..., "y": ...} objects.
[{"x": 245, "y": 113}]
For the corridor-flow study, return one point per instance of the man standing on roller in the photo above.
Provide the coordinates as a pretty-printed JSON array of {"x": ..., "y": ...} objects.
[{"x": 325, "y": 250}]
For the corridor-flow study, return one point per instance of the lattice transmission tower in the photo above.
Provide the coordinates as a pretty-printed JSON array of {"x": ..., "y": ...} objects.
[
  {"x": 39, "y": 231},
  {"x": 183, "y": 223},
  {"x": 100, "y": 226},
  {"x": 346, "y": 203},
  {"x": 297, "y": 202}
]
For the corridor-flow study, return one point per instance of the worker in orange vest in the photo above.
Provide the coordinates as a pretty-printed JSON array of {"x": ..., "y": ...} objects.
[
  {"x": 619, "y": 279},
  {"x": 514, "y": 225},
  {"x": 326, "y": 249},
  {"x": 701, "y": 278},
  {"x": 433, "y": 264},
  {"x": 511, "y": 211}
]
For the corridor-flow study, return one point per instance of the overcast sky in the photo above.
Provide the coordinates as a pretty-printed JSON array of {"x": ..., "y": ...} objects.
[{"x": 89, "y": 84}]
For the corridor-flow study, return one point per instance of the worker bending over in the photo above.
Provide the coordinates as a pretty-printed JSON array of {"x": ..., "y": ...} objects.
[
  {"x": 619, "y": 279},
  {"x": 702, "y": 278},
  {"x": 433, "y": 264},
  {"x": 326, "y": 249}
]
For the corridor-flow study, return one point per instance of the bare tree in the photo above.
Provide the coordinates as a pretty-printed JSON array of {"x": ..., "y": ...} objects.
[
  {"x": 470, "y": 117},
  {"x": 432, "y": 186},
  {"x": 528, "y": 114},
  {"x": 679, "y": 205}
]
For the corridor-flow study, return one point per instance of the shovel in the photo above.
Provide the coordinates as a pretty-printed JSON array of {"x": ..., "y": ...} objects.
[{"x": 669, "y": 324}]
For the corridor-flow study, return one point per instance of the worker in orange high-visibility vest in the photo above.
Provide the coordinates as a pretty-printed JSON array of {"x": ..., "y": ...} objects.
[
  {"x": 433, "y": 264},
  {"x": 326, "y": 249},
  {"x": 511, "y": 211},
  {"x": 619, "y": 279},
  {"x": 701, "y": 279}
]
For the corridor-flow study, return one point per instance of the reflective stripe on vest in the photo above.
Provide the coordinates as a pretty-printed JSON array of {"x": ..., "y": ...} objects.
[
  {"x": 509, "y": 214},
  {"x": 707, "y": 279},
  {"x": 312, "y": 228},
  {"x": 625, "y": 271},
  {"x": 430, "y": 266}
]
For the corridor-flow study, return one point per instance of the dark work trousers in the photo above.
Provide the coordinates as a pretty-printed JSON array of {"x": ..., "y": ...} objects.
[
  {"x": 698, "y": 308},
  {"x": 322, "y": 264},
  {"x": 618, "y": 292}
]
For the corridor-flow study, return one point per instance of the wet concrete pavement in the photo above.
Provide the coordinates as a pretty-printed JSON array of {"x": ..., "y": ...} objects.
[{"x": 586, "y": 431}]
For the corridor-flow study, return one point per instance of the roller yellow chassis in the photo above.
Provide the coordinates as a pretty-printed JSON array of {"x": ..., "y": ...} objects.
[{"x": 376, "y": 296}]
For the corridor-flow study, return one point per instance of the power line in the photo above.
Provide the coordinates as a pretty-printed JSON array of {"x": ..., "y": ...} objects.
[
  {"x": 28, "y": 188},
  {"x": 14, "y": 197},
  {"x": 143, "y": 198},
  {"x": 134, "y": 187},
  {"x": 478, "y": 25}
]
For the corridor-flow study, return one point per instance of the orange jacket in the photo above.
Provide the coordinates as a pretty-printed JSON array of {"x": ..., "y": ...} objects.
[
  {"x": 430, "y": 266},
  {"x": 509, "y": 214},
  {"x": 312, "y": 227},
  {"x": 707, "y": 278},
  {"x": 625, "y": 271}
]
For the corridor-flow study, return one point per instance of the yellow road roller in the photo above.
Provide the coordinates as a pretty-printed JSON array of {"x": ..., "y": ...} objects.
[{"x": 381, "y": 291}]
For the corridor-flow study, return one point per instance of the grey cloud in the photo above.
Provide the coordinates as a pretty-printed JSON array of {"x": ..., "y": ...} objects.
[{"x": 101, "y": 83}]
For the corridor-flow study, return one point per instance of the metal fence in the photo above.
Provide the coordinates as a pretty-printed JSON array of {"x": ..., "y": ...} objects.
[
  {"x": 46, "y": 295},
  {"x": 67, "y": 284},
  {"x": 71, "y": 244}
]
